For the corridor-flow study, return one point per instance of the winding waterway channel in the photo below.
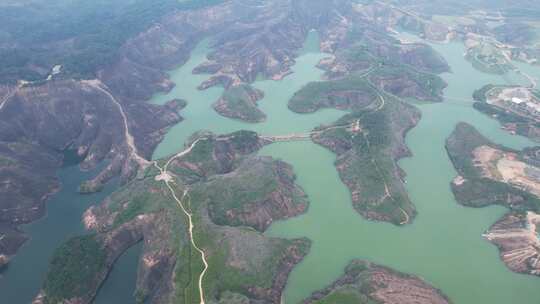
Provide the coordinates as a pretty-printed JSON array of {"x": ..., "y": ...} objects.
[
  {"x": 21, "y": 281},
  {"x": 443, "y": 245}
]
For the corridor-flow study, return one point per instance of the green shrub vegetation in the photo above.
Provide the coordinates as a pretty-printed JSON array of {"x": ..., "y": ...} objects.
[
  {"x": 74, "y": 267},
  {"x": 239, "y": 257},
  {"x": 480, "y": 94},
  {"x": 316, "y": 95},
  {"x": 478, "y": 191},
  {"x": 368, "y": 165},
  {"x": 366, "y": 159},
  {"x": 240, "y": 103},
  {"x": 241, "y": 139},
  {"x": 139, "y": 200},
  {"x": 523, "y": 124},
  {"x": 502, "y": 115},
  {"x": 345, "y": 297},
  {"x": 359, "y": 285},
  {"x": 202, "y": 152},
  {"x": 432, "y": 84},
  {"x": 488, "y": 59},
  {"x": 252, "y": 184}
]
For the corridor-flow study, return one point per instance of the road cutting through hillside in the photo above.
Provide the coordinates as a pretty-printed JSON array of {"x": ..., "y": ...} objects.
[
  {"x": 130, "y": 141},
  {"x": 168, "y": 179}
]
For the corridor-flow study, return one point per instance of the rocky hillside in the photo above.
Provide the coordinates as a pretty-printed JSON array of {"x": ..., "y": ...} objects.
[
  {"x": 216, "y": 182},
  {"x": 240, "y": 102},
  {"x": 364, "y": 282},
  {"x": 367, "y": 153},
  {"x": 370, "y": 140},
  {"x": 44, "y": 126},
  {"x": 106, "y": 117},
  {"x": 516, "y": 236},
  {"x": 482, "y": 178},
  {"x": 492, "y": 174}
]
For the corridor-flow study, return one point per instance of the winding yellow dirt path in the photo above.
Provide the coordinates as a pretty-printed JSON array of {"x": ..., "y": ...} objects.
[
  {"x": 407, "y": 218},
  {"x": 191, "y": 226},
  {"x": 168, "y": 179},
  {"x": 130, "y": 141}
]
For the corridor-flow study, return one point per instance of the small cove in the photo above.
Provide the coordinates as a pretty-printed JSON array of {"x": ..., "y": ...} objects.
[{"x": 444, "y": 245}]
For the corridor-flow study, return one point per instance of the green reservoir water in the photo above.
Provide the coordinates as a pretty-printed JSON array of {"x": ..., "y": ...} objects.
[
  {"x": 199, "y": 114},
  {"x": 444, "y": 244},
  {"x": 120, "y": 284},
  {"x": 21, "y": 282}
]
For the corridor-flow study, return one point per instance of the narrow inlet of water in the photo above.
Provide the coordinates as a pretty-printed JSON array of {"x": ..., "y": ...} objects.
[
  {"x": 444, "y": 245},
  {"x": 121, "y": 283},
  {"x": 21, "y": 282}
]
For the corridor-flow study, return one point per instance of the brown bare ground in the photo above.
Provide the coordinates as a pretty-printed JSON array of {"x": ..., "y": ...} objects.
[
  {"x": 403, "y": 290},
  {"x": 517, "y": 238},
  {"x": 505, "y": 167}
]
